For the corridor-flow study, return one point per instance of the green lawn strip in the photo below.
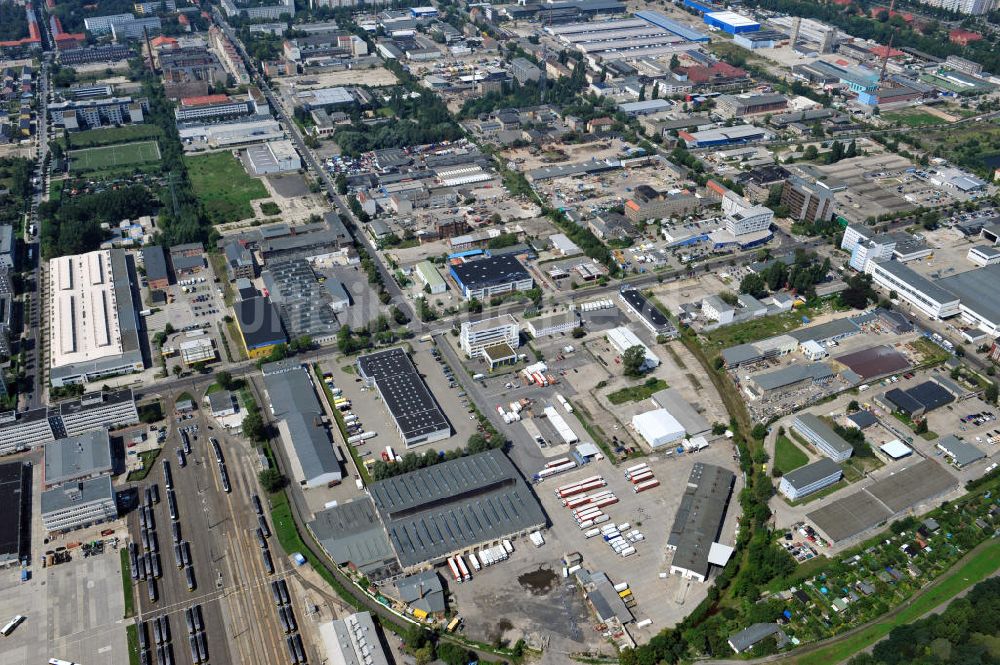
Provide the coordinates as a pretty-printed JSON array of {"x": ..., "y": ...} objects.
[
  {"x": 929, "y": 435},
  {"x": 826, "y": 491},
  {"x": 112, "y": 135},
  {"x": 339, "y": 417},
  {"x": 113, "y": 156},
  {"x": 218, "y": 261},
  {"x": 595, "y": 432},
  {"x": 127, "y": 584},
  {"x": 147, "y": 457},
  {"x": 788, "y": 456},
  {"x": 982, "y": 564},
  {"x": 636, "y": 393},
  {"x": 223, "y": 186},
  {"x": 132, "y": 638},
  {"x": 234, "y": 334}
]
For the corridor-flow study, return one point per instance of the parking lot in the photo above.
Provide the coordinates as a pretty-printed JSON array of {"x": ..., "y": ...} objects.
[{"x": 549, "y": 606}]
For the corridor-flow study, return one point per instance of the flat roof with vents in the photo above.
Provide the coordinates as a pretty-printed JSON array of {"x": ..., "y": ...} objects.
[
  {"x": 411, "y": 404},
  {"x": 455, "y": 505},
  {"x": 94, "y": 319}
]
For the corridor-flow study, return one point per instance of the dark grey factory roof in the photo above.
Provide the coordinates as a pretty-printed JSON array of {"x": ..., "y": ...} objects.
[
  {"x": 303, "y": 302},
  {"x": 77, "y": 456},
  {"x": 646, "y": 309},
  {"x": 220, "y": 400},
  {"x": 606, "y": 601},
  {"x": 875, "y": 361},
  {"x": 862, "y": 419},
  {"x": 751, "y": 635},
  {"x": 406, "y": 395},
  {"x": 455, "y": 505},
  {"x": 977, "y": 290},
  {"x": 155, "y": 262},
  {"x": 422, "y": 591},
  {"x": 77, "y": 494},
  {"x": 963, "y": 453},
  {"x": 492, "y": 270},
  {"x": 180, "y": 260},
  {"x": 15, "y": 518},
  {"x": 6, "y": 239},
  {"x": 741, "y": 353},
  {"x": 810, "y": 473},
  {"x": 700, "y": 515},
  {"x": 786, "y": 376},
  {"x": 822, "y": 430},
  {"x": 294, "y": 401},
  {"x": 928, "y": 396},
  {"x": 902, "y": 400},
  {"x": 825, "y": 331},
  {"x": 352, "y": 533},
  {"x": 259, "y": 322}
]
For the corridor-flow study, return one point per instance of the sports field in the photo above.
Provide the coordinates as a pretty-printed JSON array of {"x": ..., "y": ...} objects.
[{"x": 112, "y": 156}]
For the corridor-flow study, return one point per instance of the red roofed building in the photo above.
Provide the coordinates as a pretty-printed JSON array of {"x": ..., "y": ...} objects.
[
  {"x": 882, "y": 51},
  {"x": 963, "y": 37},
  {"x": 163, "y": 42},
  {"x": 204, "y": 100},
  {"x": 720, "y": 75},
  {"x": 65, "y": 41}
]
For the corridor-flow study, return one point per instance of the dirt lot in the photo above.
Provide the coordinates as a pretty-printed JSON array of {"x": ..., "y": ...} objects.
[{"x": 375, "y": 77}]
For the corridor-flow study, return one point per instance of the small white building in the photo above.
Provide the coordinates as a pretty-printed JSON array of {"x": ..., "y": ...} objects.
[
  {"x": 273, "y": 157},
  {"x": 658, "y": 428},
  {"x": 984, "y": 255},
  {"x": 812, "y": 350},
  {"x": 429, "y": 276},
  {"x": 562, "y": 245},
  {"x": 715, "y": 308}
]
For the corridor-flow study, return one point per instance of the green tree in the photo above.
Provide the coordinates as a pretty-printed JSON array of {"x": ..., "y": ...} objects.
[
  {"x": 253, "y": 426},
  {"x": 271, "y": 480},
  {"x": 754, "y": 285},
  {"x": 224, "y": 379},
  {"x": 991, "y": 393},
  {"x": 634, "y": 360}
]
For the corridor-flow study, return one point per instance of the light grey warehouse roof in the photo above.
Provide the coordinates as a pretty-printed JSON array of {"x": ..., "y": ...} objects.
[
  {"x": 689, "y": 418},
  {"x": 77, "y": 494},
  {"x": 930, "y": 289},
  {"x": 822, "y": 430},
  {"x": 294, "y": 402},
  {"x": 792, "y": 374},
  {"x": 79, "y": 456},
  {"x": 825, "y": 331},
  {"x": 352, "y": 533},
  {"x": 810, "y": 473},
  {"x": 977, "y": 289},
  {"x": 454, "y": 505},
  {"x": 751, "y": 635},
  {"x": 699, "y": 517},
  {"x": 422, "y": 591},
  {"x": 962, "y": 453}
]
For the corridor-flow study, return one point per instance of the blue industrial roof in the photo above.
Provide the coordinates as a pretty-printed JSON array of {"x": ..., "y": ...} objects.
[{"x": 656, "y": 18}]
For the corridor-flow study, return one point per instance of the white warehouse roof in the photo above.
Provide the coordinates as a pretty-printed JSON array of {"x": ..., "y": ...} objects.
[
  {"x": 658, "y": 427},
  {"x": 623, "y": 339}
]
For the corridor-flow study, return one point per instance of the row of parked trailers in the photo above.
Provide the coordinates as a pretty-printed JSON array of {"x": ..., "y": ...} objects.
[
  {"x": 554, "y": 468},
  {"x": 478, "y": 560},
  {"x": 355, "y": 432},
  {"x": 293, "y": 640},
  {"x": 641, "y": 477}
]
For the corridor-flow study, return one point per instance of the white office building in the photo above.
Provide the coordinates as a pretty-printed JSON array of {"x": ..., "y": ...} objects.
[
  {"x": 715, "y": 308},
  {"x": 478, "y": 335},
  {"x": 819, "y": 434},
  {"x": 78, "y": 505},
  {"x": 810, "y": 478}
]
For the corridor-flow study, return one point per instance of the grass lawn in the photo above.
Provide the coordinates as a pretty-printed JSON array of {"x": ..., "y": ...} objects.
[
  {"x": 112, "y": 156},
  {"x": 112, "y": 135},
  {"x": 636, "y": 393},
  {"x": 982, "y": 564},
  {"x": 132, "y": 637},
  {"x": 913, "y": 118},
  {"x": 127, "y": 584},
  {"x": 224, "y": 188},
  {"x": 756, "y": 329},
  {"x": 147, "y": 457},
  {"x": 929, "y": 435},
  {"x": 788, "y": 456},
  {"x": 930, "y": 353}
]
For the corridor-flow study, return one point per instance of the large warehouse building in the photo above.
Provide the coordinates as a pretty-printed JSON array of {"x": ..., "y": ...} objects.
[
  {"x": 413, "y": 409},
  {"x": 313, "y": 457},
  {"x": 455, "y": 507},
  {"x": 658, "y": 428},
  {"x": 922, "y": 294},
  {"x": 486, "y": 277},
  {"x": 93, "y": 323},
  {"x": 698, "y": 522}
]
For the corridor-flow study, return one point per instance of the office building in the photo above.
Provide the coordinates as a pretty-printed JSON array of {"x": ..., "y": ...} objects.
[
  {"x": 475, "y": 336},
  {"x": 80, "y": 457},
  {"x": 646, "y": 203},
  {"x": 101, "y": 25},
  {"x": 552, "y": 324},
  {"x": 969, "y": 7},
  {"x": 524, "y": 70},
  {"x": 78, "y": 505},
  {"x": 749, "y": 220},
  {"x": 154, "y": 262},
  {"x": 137, "y": 28},
  {"x": 491, "y": 276},
  {"x": 92, "y": 113},
  {"x": 820, "y": 435},
  {"x": 411, "y": 405},
  {"x": 807, "y": 202},
  {"x": 205, "y": 107},
  {"x": 240, "y": 261},
  {"x": 312, "y": 456},
  {"x": 810, "y": 478},
  {"x": 94, "y": 326},
  {"x": 307, "y": 307},
  {"x": 959, "y": 452},
  {"x": 8, "y": 246}
]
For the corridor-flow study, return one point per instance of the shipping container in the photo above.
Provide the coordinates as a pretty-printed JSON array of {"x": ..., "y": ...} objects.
[
  {"x": 463, "y": 568},
  {"x": 646, "y": 485},
  {"x": 456, "y": 573}
]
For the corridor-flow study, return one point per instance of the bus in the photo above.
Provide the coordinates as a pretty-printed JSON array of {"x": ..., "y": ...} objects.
[
  {"x": 453, "y": 624},
  {"x": 12, "y": 624}
]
